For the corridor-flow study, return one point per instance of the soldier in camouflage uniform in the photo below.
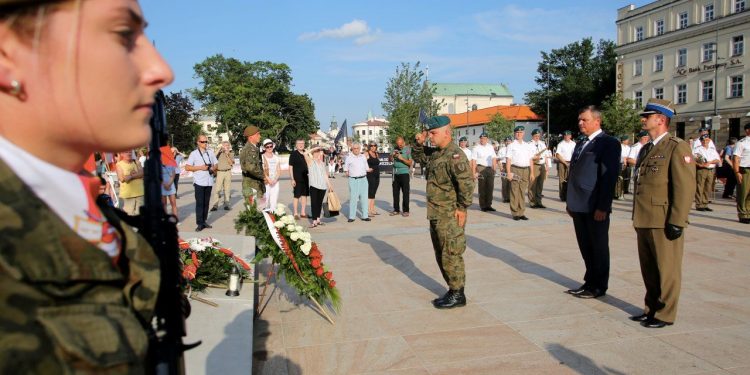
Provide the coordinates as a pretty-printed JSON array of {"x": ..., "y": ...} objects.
[
  {"x": 252, "y": 165},
  {"x": 77, "y": 286},
  {"x": 450, "y": 188}
]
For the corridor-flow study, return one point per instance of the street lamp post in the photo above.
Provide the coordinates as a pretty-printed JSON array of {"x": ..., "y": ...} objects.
[{"x": 548, "y": 83}]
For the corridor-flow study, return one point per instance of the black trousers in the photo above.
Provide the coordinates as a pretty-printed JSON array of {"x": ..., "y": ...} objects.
[
  {"x": 401, "y": 185},
  {"x": 202, "y": 198},
  {"x": 176, "y": 181},
  {"x": 316, "y": 202},
  {"x": 485, "y": 186},
  {"x": 593, "y": 241}
]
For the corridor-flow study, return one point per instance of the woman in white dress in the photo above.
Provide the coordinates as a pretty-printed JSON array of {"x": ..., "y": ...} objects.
[{"x": 272, "y": 172}]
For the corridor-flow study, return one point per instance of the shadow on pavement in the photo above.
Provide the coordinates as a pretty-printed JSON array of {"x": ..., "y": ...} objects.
[
  {"x": 508, "y": 257},
  {"x": 390, "y": 255},
  {"x": 262, "y": 363},
  {"x": 578, "y": 362}
]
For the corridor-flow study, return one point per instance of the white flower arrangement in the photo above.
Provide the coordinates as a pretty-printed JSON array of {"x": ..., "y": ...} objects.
[
  {"x": 294, "y": 236},
  {"x": 280, "y": 210},
  {"x": 306, "y": 247},
  {"x": 279, "y": 224}
]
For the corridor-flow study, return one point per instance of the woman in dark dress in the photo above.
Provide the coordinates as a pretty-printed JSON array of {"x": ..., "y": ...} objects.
[{"x": 373, "y": 176}]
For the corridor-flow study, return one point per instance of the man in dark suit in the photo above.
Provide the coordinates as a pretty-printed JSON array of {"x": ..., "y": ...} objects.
[{"x": 591, "y": 181}]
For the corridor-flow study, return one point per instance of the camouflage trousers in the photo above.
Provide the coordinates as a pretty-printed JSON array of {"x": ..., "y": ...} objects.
[
  {"x": 449, "y": 243},
  {"x": 252, "y": 187}
]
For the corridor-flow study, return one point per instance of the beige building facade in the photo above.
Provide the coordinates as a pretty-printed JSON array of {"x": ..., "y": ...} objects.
[
  {"x": 692, "y": 52},
  {"x": 464, "y": 97}
]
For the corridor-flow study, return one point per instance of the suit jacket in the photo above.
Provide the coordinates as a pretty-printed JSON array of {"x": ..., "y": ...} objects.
[
  {"x": 666, "y": 185},
  {"x": 592, "y": 176}
]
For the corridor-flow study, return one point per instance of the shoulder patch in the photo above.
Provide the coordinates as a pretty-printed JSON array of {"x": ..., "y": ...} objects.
[
  {"x": 456, "y": 156},
  {"x": 687, "y": 159}
]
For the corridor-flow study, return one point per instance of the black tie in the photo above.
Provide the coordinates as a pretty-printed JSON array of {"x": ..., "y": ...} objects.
[
  {"x": 579, "y": 149},
  {"x": 644, "y": 150}
]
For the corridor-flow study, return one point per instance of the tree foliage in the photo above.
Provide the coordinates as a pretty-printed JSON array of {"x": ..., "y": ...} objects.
[
  {"x": 240, "y": 93},
  {"x": 183, "y": 126},
  {"x": 499, "y": 127},
  {"x": 619, "y": 116},
  {"x": 406, "y": 93},
  {"x": 578, "y": 74}
]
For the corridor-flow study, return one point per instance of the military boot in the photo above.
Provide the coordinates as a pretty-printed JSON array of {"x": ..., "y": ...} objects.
[
  {"x": 442, "y": 299},
  {"x": 454, "y": 298}
]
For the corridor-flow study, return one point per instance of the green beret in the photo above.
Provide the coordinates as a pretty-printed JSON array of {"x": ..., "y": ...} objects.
[
  {"x": 483, "y": 135},
  {"x": 518, "y": 129},
  {"x": 462, "y": 139},
  {"x": 23, "y": 2},
  {"x": 250, "y": 130},
  {"x": 437, "y": 122},
  {"x": 508, "y": 139},
  {"x": 567, "y": 132},
  {"x": 624, "y": 138},
  {"x": 536, "y": 131},
  {"x": 642, "y": 133}
]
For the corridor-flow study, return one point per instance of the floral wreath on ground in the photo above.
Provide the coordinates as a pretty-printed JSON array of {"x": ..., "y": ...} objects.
[
  {"x": 300, "y": 260},
  {"x": 206, "y": 263}
]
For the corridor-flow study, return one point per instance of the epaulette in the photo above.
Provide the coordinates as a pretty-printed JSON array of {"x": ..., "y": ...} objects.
[{"x": 676, "y": 139}]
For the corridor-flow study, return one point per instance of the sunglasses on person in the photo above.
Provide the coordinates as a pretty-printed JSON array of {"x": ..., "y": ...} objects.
[
  {"x": 269, "y": 146},
  {"x": 202, "y": 141}
]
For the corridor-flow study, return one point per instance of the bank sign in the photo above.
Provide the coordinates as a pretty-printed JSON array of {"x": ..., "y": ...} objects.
[{"x": 681, "y": 72}]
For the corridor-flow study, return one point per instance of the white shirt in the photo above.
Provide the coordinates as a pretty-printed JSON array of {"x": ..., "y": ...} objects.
[
  {"x": 467, "y": 151},
  {"x": 742, "y": 150},
  {"x": 356, "y": 165},
  {"x": 624, "y": 152},
  {"x": 538, "y": 147},
  {"x": 202, "y": 178},
  {"x": 635, "y": 150},
  {"x": 483, "y": 154},
  {"x": 501, "y": 152},
  {"x": 272, "y": 163},
  {"x": 62, "y": 191},
  {"x": 708, "y": 154},
  {"x": 659, "y": 138},
  {"x": 565, "y": 149},
  {"x": 520, "y": 153},
  {"x": 697, "y": 143}
]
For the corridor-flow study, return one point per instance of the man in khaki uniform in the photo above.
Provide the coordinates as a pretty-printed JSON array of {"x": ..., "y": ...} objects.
[
  {"x": 741, "y": 168},
  {"x": 252, "y": 165},
  {"x": 563, "y": 154},
  {"x": 539, "y": 172},
  {"x": 223, "y": 175},
  {"x": 706, "y": 160},
  {"x": 518, "y": 162},
  {"x": 663, "y": 195}
]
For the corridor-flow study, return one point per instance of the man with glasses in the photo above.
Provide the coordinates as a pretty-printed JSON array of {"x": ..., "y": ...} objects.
[
  {"x": 202, "y": 162},
  {"x": 253, "y": 178},
  {"x": 356, "y": 169}
]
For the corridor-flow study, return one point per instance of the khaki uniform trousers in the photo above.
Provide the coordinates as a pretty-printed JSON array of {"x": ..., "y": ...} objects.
[
  {"x": 562, "y": 179},
  {"x": 224, "y": 183},
  {"x": 518, "y": 189},
  {"x": 485, "y": 185},
  {"x": 449, "y": 243},
  {"x": 536, "y": 187},
  {"x": 743, "y": 195},
  {"x": 704, "y": 179},
  {"x": 661, "y": 268},
  {"x": 505, "y": 187}
]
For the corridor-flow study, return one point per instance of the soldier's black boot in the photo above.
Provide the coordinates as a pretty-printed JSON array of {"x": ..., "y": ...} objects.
[
  {"x": 454, "y": 298},
  {"x": 442, "y": 299}
]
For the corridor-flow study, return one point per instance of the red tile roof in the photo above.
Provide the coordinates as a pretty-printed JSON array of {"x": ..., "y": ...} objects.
[{"x": 483, "y": 116}]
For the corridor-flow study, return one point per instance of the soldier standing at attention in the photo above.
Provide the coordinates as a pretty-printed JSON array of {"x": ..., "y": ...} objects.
[
  {"x": 483, "y": 165},
  {"x": 741, "y": 166},
  {"x": 518, "y": 162},
  {"x": 253, "y": 178},
  {"x": 450, "y": 187},
  {"x": 539, "y": 172},
  {"x": 563, "y": 154},
  {"x": 223, "y": 176},
  {"x": 463, "y": 144},
  {"x": 661, "y": 204},
  {"x": 77, "y": 287},
  {"x": 706, "y": 160},
  {"x": 623, "y": 182},
  {"x": 501, "y": 153}
]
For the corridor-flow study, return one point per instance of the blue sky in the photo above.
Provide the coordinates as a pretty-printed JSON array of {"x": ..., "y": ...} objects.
[{"x": 342, "y": 53}]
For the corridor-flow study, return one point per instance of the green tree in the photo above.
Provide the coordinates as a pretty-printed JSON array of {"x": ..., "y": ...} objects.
[
  {"x": 619, "y": 116},
  {"x": 576, "y": 75},
  {"x": 499, "y": 127},
  {"x": 181, "y": 119},
  {"x": 406, "y": 93},
  {"x": 240, "y": 93}
]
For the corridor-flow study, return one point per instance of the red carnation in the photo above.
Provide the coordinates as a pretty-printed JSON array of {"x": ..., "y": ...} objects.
[
  {"x": 332, "y": 284},
  {"x": 226, "y": 251},
  {"x": 315, "y": 263},
  {"x": 189, "y": 271},
  {"x": 319, "y": 272},
  {"x": 184, "y": 245},
  {"x": 314, "y": 253},
  {"x": 329, "y": 276}
]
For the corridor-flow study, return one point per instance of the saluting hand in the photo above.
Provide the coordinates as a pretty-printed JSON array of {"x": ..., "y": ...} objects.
[{"x": 460, "y": 217}]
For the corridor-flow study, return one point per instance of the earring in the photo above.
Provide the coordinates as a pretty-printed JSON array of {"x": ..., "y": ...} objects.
[{"x": 15, "y": 88}]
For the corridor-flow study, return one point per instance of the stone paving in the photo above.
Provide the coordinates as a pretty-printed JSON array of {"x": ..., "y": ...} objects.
[{"x": 517, "y": 320}]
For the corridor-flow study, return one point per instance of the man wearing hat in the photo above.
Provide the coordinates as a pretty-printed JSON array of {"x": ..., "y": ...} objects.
[
  {"x": 706, "y": 160},
  {"x": 623, "y": 182},
  {"x": 519, "y": 162},
  {"x": 536, "y": 186},
  {"x": 501, "y": 159},
  {"x": 663, "y": 195},
  {"x": 463, "y": 143},
  {"x": 252, "y": 165},
  {"x": 594, "y": 168},
  {"x": 741, "y": 167},
  {"x": 563, "y": 153},
  {"x": 483, "y": 165},
  {"x": 223, "y": 176},
  {"x": 635, "y": 149},
  {"x": 698, "y": 143},
  {"x": 450, "y": 188}
]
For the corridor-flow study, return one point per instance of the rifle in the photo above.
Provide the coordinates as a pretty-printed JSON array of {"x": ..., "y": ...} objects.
[{"x": 160, "y": 230}]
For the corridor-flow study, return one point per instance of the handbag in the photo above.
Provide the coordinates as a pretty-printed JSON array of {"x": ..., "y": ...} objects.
[{"x": 334, "y": 204}]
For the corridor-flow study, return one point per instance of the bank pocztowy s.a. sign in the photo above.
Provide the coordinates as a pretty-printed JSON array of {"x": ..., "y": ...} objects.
[{"x": 706, "y": 67}]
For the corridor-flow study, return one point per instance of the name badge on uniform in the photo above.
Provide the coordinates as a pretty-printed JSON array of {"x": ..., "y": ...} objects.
[{"x": 88, "y": 229}]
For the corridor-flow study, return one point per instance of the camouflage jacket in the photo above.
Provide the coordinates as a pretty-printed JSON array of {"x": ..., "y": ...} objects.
[
  {"x": 450, "y": 185},
  {"x": 252, "y": 168},
  {"x": 65, "y": 305}
]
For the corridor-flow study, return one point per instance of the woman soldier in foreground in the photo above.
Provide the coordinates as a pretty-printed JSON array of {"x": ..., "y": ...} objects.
[{"x": 76, "y": 290}]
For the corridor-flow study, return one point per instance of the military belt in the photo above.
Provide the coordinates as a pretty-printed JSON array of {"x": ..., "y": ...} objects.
[
  {"x": 358, "y": 177},
  {"x": 515, "y": 166}
]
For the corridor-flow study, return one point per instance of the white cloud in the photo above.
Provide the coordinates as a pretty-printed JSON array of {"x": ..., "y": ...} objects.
[{"x": 356, "y": 29}]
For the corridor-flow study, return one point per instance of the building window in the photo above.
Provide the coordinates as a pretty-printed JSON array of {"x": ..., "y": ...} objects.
[
  {"x": 682, "y": 57},
  {"x": 708, "y": 52},
  {"x": 739, "y": 6},
  {"x": 708, "y": 12},
  {"x": 638, "y": 98},
  {"x": 658, "y": 93},
  {"x": 683, "y": 20},
  {"x": 638, "y": 67},
  {"x": 659, "y": 26},
  {"x": 707, "y": 90},
  {"x": 639, "y": 33},
  {"x": 381, "y": 132},
  {"x": 682, "y": 93},
  {"x": 473, "y": 107},
  {"x": 735, "y": 86},
  {"x": 370, "y": 131},
  {"x": 473, "y": 131},
  {"x": 738, "y": 45},
  {"x": 658, "y": 63}
]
